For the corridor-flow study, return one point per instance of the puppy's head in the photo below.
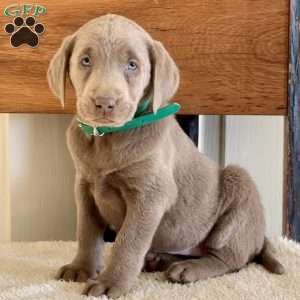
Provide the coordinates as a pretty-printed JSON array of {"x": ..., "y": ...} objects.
[{"x": 113, "y": 64}]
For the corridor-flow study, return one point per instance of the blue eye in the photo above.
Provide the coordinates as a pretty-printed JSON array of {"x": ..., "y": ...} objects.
[
  {"x": 131, "y": 66},
  {"x": 86, "y": 61}
]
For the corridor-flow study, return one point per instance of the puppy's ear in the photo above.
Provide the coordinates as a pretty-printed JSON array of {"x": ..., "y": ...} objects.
[
  {"x": 165, "y": 76},
  {"x": 58, "y": 68}
]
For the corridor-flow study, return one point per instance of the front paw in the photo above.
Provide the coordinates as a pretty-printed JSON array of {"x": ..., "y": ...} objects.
[
  {"x": 105, "y": 286},
  {"x": 77, "y": 273}
]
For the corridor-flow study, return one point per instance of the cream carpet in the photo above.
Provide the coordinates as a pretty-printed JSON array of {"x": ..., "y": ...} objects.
[{"x": 27, "y": 270}]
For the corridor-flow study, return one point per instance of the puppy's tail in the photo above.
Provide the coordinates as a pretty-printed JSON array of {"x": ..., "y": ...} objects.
[{"x": 268, "y": 260}]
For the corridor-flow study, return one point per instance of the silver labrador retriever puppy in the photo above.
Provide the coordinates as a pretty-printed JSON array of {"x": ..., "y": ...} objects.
[{"x": 151, "y": 184}]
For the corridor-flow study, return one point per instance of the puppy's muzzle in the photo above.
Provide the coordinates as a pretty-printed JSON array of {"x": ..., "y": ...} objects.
[{"x": 105, "y": 105}]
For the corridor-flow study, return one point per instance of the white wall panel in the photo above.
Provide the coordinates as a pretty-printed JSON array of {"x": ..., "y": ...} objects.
[
  {"x": 41, "y": 178},
  {"x": 210, "y": 136},
  {"x": 5, "y": 216},
  {"x": 256, "y": 143}
]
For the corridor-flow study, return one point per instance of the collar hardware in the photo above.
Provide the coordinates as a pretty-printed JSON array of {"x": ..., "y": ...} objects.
[{"x": 96, "y": 132}]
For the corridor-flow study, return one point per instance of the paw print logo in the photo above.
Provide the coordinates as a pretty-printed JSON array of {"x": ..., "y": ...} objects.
[{"x": 24, "y": 31}]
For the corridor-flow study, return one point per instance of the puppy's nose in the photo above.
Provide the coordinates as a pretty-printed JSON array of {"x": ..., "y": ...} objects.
[{"x": 106, "y": 104}]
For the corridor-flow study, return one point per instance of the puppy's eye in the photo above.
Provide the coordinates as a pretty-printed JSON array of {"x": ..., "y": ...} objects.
[
  {"x": 86, "y": 61},
  {"x": 132, "y": 66}
]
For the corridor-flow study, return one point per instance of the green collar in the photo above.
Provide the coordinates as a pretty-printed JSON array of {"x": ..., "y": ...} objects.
[{"x": 139, "y": 120}]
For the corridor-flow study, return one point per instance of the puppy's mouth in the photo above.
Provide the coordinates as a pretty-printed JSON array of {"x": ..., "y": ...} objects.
[
  {"x": 106, "y": 122},
  {"x": 89, "y": 115}
]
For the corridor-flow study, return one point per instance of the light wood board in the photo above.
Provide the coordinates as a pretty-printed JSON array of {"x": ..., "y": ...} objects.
[{"x": 232, "y": 54}]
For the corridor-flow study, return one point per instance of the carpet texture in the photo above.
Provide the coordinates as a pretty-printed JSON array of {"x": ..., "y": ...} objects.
[{"x": 27, "y": 270}]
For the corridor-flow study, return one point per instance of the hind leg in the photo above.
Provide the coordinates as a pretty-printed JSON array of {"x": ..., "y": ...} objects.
[
  {"x": 241, "y": 216},
  {"x": 237, "y": 235},
  {"x": 160, "y": 262},
  {"x": 192, "y": 270}
]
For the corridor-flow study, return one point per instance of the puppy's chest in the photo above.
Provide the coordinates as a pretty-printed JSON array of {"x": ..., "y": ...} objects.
[
  {"x": 91, "y": 161},
  {"x": 110, "y": 200}
]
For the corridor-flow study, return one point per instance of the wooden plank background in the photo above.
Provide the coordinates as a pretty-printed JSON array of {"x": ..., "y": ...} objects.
[{"x": 233, "y": 54}]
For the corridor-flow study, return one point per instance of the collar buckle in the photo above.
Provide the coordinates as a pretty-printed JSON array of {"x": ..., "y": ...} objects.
[{"x": 96, "y": 132}]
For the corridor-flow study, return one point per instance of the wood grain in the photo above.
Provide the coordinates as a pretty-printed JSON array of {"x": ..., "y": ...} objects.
[{"x": 233, "y": 54}]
